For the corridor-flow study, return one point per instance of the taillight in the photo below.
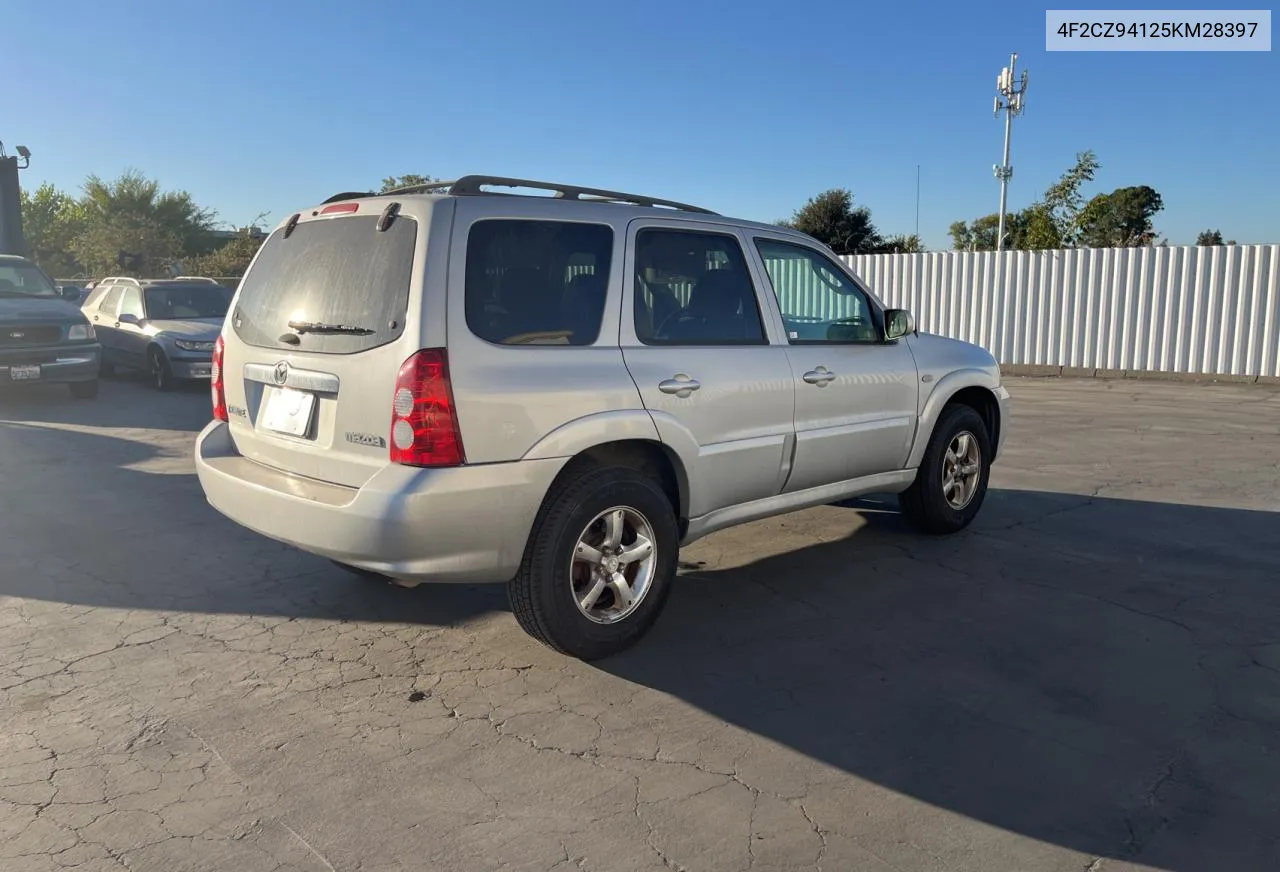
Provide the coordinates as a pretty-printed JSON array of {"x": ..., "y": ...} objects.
[
  {"x": 424, "y": 421},
  {"x": 216, "y": 384}
]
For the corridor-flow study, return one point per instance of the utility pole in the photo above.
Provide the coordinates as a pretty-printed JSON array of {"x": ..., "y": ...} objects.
[
  {"x": 917, "y": 202},
  {"x": 1009, "y": 100},
  {"x": 11, "y": 240}
]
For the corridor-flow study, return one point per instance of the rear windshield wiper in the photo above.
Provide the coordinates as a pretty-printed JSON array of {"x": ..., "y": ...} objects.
[{"x": 318, "y": 327}]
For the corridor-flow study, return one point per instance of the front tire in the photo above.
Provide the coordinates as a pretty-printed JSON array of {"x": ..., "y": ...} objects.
[
  {"x": 599, "y": 563},
  {"x": 161, "y": 373},
  {"x": 85, "y": 390},
  {"x": 951, "y": 482}
]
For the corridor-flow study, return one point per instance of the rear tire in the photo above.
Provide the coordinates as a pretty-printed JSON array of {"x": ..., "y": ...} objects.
[
  {"x": 85, "y": 390},
  {"x": 161, "y": 373},
  {"x": 951, "y": 482},
  {"x": 584, "y": 590}
]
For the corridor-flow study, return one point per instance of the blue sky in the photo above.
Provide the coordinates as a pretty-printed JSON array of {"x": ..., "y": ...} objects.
[{"x": 745, "y": 107}]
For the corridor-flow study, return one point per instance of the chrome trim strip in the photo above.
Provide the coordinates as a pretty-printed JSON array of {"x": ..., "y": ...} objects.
[
  {"x": 302, "y": 379},
  {"x": 61, "y": 361}
]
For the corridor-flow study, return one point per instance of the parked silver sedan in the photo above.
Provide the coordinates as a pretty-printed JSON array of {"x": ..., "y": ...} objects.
[{"x": 166, "y": 327}]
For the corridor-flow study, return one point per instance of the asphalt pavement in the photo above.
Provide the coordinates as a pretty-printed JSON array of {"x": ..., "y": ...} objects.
[{"x": 1087, "y": 679}]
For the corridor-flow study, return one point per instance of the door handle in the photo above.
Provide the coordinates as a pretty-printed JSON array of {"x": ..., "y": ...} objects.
[
  {"x": 820, "y": 376},
  {"x": 681, "y": 385}
]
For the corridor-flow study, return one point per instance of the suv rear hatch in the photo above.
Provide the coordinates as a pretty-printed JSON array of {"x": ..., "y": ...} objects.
[{"x": 321, "y": 323}]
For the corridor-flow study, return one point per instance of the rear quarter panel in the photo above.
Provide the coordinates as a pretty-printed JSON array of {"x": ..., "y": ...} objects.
[{"x": 538, "y": 401}]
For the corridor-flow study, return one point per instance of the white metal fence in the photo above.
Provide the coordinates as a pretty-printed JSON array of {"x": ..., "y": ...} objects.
[{"x": 1211, "y": 310}]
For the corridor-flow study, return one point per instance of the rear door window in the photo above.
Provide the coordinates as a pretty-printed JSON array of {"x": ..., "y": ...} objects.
[
  {"x": 95, "y": 297},
  {"x": 537, "y": 282},
  {"x": 111, "y": 303},
  {"x": 329, "y": 274}
]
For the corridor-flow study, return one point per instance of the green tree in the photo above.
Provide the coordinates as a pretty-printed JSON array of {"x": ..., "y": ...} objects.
[
  {"x": 902, "y": 243},
  {"x": 1053, "y": 221},
  {"x": 1063, "y": 201},
  {"x": 976, "y": 235},
  {"x": 51, "y": 220},
  {"x": 831, "y": 218},
  {"x": 1121, "y": 219},
  {"x": 390, "y": 183},
  {"x": 229, "y": 260},
  {"x": 1038, "y": 229},
  {"x": 133, "y": 215},
  {"x": 1206, "y": 237}
]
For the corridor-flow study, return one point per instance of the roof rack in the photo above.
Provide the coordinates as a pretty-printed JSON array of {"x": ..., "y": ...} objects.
[
  {"x": 140, "y": 282},
  {"x": 473, "y": 185}
]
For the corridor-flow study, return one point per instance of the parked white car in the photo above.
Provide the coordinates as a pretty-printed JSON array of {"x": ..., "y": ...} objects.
[{"x": 447, "y": 384}]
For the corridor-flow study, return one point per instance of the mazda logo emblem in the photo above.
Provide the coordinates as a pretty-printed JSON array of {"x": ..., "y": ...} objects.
[{"x": 282, "y": 372}]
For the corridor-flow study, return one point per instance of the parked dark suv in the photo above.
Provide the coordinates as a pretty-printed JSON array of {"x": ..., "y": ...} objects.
[{"x": 44, "y": 337}]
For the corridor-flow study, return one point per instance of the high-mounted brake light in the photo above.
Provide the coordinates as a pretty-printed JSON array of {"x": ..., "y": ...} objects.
[
  {"x": 216, "y": 385},
  {"x": 340, "y": 207},
  {"x": 424, "y": 420}
]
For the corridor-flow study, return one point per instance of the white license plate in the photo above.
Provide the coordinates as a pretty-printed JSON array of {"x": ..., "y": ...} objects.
[
  {"x": 200, "y": 371},
  {"x": 24, "y": 373},
  {"x": 287, "y": 411}
]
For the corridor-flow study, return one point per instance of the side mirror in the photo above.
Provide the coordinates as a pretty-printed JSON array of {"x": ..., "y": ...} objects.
[
  {"x": 69, "y": 293},
  {"x": 898, "y": 323},
  {"x": 128, "y": 318}
]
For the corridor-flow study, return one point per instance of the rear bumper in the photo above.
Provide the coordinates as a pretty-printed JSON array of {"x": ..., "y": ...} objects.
[
  {"x": 58, "y": 364},
  {"x": 467, "y": 524}
]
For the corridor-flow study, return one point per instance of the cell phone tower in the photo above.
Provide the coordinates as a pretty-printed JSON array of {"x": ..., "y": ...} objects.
[{"x": 1009, "y": 99}]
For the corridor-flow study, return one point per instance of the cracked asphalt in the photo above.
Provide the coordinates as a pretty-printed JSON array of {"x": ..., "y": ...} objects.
[{"x": 1088, "y": 679}]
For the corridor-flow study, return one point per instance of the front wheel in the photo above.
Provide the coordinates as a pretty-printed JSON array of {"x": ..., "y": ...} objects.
[
  {"x": 161, "y": 373},
  {"x": 951, "y": 482},
  {"x": 599, "y": 563}
]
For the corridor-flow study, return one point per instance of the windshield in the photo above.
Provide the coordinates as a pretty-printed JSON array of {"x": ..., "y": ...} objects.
[
  {"x": 194, "y": 301},
  {"x": 24, "y": 279}
]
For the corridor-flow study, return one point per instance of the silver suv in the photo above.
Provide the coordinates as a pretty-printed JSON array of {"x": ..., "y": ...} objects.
[{"x": 446, "y": 383}]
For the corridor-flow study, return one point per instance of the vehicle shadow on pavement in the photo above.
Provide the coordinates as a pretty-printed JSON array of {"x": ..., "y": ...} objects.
[
  {"x": 95, "y": 519},
  {"x": 125, "y": 400},
  {"x": 1100, "y": 674},
  {"x": 1095, "y": 673}
]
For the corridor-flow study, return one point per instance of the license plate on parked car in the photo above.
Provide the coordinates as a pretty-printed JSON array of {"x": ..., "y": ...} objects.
[
  {"x": 287, "y": 411},
  {"x": 24, "y": 373}
]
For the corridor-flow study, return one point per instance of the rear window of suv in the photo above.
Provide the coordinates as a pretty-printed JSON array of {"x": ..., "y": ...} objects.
[
  {"x": 537, "y": 282},
  {"x": 329, "y": 273}
]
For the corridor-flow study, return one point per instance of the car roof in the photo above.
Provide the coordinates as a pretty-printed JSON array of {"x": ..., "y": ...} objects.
[{"x": 597, "y": 201}]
